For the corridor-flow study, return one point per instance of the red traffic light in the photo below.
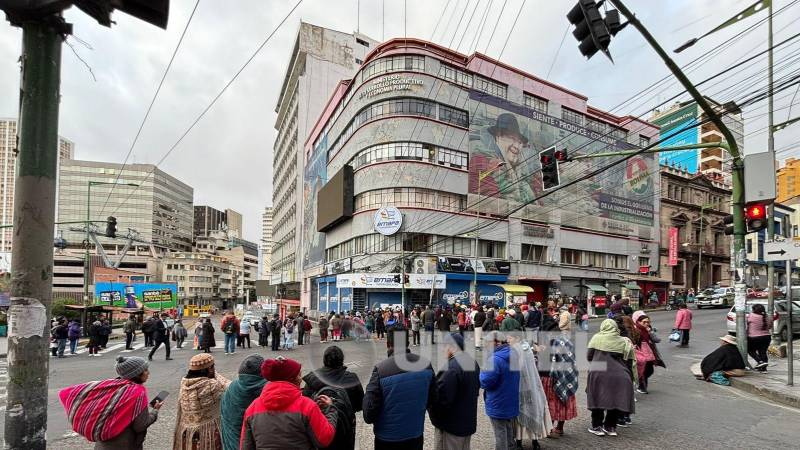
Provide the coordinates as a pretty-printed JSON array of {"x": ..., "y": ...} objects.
[
  {"x": 546, "y": 159},
  {"x": 755, "y": 212},
  {"x": 561, "y": 155}
]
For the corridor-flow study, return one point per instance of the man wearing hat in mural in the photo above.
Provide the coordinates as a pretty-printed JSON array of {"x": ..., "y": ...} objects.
[{"x": 503, "y": 144}]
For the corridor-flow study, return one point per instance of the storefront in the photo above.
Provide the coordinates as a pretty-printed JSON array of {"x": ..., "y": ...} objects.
[
  {"x": 653, "y": 291},
  {"x": 541, "y": 288},
  {"x": 330, "y": 297},
  {"x": 459, "y": 288},
  {"x": 515, "y": 293},
  {"x": 381, "y": 290}
]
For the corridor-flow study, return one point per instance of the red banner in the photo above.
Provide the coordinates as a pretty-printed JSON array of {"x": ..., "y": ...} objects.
[{"x": 673, "y": 246}]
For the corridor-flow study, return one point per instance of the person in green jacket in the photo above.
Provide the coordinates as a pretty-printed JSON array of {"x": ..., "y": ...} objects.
[
  {"x": 238, "y": 397},
  {"x": 510, "y": 323}
]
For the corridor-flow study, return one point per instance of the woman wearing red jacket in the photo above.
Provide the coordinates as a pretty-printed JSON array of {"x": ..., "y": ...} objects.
[{"x": 282, "y": 417}]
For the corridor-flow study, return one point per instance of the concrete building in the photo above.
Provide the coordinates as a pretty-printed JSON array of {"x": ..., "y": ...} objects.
[
  {"x": 8, "y": 171},
  {"x": 452, "y": 142},
  {"x": 68, "y": 266},
  {"x": 695, "y": 227},
  {"x": 266, "y": 244},
  {"x": 202, "y": 278},
  {"x": 788, "y": 180},
  {"x": 234, "y": 222},
  {"x": 146, "y": 199},
  {"x": 681, "y": 124},
  {"x": 319, "y": 60},
  {"x": 207, "y": 220}
]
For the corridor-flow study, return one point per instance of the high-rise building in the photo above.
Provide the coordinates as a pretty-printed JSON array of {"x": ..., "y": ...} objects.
[
  {"x": 788, "y": 180},
  {"x": 234, "y": 221},
  {"x": 146, "y": 199},
  {"x": 8, "y": 165},
  {"x": 426, "y": 163},
  {"x": 208, "y": 219},
  {"x": 319, "y": 60},
  {"x": 684, "y": 124},
  {"x": 266, "y": 243}
]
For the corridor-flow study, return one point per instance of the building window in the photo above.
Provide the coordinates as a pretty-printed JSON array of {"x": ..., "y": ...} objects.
[
  {"x": 491, "y": 249},
  {"x": 572, "y": 116},
  {"x": 453, "y": 115},
  {"x": 490, "y": 87},
  {"x": 362, "y": 42},
  {"x": 677, "y": 273},
  {"x": 535, "y": 103},
  {"x": 644, "y": 261},
  {"x": 410, "y": 197},
  {"x": 570, "y": 256},
  {"x": 535, "y": 253},
  {"x": 359, "y": 62},
  {"x": 617, "y": 262},
  {"x": 455, "y": 75},
  {"x": 644, "y": 141},
  {"x": 393, "y": 64}
]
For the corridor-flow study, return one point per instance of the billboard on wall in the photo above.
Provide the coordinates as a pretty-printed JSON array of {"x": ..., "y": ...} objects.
[
  {"x": 619, "y": 200},
  {"x": 149, "y": 295},
  {"x": 314, "y": 178},
  {"x": 682, "y": 119}
]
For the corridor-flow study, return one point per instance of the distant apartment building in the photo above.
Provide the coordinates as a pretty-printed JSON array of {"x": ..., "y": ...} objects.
[
  {"x": 319, "y": 59},
  {"x": 266, "y": 244},
  {"x": 208, "y": 220},
  {"x": 234, "y": 222},
  {"x": 788, "y": 179},
  {"x": 8, "y": 166}
]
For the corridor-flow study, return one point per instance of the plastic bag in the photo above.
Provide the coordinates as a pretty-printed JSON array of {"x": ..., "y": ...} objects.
[{"x": 675, "y": 336}]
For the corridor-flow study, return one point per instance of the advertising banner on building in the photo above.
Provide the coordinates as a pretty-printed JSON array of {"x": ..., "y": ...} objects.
[
  {"x": 314, "y": 177},
  {"x": 387, "y": 281},
  {"x": 683, "y": 119},
  {"x": 149, "y": 295},
  {"x": 673, "y": 246},
  {"x": 505, "y": 139}
]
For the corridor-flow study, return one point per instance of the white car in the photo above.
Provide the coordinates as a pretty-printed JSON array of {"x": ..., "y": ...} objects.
[{"x": 721, "y": 297}]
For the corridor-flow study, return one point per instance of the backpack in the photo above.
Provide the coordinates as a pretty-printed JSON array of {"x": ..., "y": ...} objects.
[
  {"x": 228, "y": 328},
  {"x": 306, "y": 325},
  {"x": 345, "y": 418}
]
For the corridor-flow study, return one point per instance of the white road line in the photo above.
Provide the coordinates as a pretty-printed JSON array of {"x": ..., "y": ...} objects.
[
  {"x": 135, "y": 347},
  {"x": 112, "y": 348}
]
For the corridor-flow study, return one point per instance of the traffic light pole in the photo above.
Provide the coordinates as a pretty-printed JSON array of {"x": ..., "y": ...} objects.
[
  {"x": 737, "y": 197},
  {"x": 32, "y": 248}
]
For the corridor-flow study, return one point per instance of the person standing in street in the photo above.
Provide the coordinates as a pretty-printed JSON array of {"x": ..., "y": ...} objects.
[
  {"x": 301, "y": 332},
  {"x": 510, "y": 323},
  {"x": 533, "y": 421},
  {"x": 207, "y": 340},
  {"x": 323, "y": 328},
  {"x": 263, "y": 332},
  {"x": 148, "y": 327},
  {"x": 230, "y": 326},
  {"x": 130, "y": 330},
  {"x": 415, "y": 322},
  {"x": 179, "y": 333},
  {"x": 396, "y": 398},
  {"x": 306, "y": 330},
  {"x": 478, "y": 322},
  {"x": 647, "y": 356},
  {"x": 609, "y": 385},
  {"x": 113, "y": 413},
  {"x": 161, "y": 336},
  {"x": 454, "y": 408},
  {"x": 758, "y": 336},
  {"x": 197, "y": 426},
  {"x": 61, "y": 333},
  {"x": 427, "y": 320},
  {"x": 238, "y": 397},
  {"x": 501, "y": 392},
  {"x": 244, "y": 332},
  {"x": 275, "y": 329},
  {"x": 95, "y": 338},
  {"x": 683, "y": 323},
  {"x": 282, "y": 418},
  {"x": 73, "y": 334},
  {"x": 380, "y": 326}
]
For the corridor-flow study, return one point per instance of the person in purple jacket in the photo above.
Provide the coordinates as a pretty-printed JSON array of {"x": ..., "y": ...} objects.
[{"x": 73, "y": 334}]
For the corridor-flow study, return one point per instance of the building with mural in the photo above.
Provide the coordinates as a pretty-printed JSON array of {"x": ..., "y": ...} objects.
[{"x": 427, "y": 152}]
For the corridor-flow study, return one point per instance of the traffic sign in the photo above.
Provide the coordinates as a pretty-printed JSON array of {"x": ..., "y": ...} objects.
[{"x": 781, "y": 250}]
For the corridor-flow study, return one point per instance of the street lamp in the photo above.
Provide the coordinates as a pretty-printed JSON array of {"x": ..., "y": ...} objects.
[{"x": 481, "y": 176}]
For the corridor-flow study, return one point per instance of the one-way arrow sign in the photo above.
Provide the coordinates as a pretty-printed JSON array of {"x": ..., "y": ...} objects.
[{"x": 781, "y": 250}]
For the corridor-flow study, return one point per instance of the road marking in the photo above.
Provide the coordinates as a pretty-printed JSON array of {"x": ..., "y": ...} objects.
[
  {"x": 134, "y": 347},
  {"x": 112, "y": 348}
]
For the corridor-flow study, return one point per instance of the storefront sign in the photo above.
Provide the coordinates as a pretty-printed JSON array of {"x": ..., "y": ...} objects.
[
  {"x": 340, "y": 266},
  {"x": 387, "y": 220},
  {"x": 673, "y": 246},
  {"x": 457, "y": 297},
  {"x": 466, "y": 265},
  {"x": 390, "y": 83},
  {"x": 388, "y": 281}
]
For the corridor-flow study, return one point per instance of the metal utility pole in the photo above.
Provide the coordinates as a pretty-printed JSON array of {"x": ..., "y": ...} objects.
[
  {"x": 32, "y": 248},
  {"x": 776, "y": 339},
  {"x": 789, "y": 325}
]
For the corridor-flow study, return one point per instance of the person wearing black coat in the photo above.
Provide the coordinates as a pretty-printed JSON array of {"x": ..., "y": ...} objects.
[
  {"x": 148, "y": 328},
  {"x": 207, "y": 339},
  {"x": 443, "y": 324},
  {"x": 534, "y": 319},
  {"x": 161, "y": 336},
  {"x": 454, "y": 407},
  {"x": 95, "y": 338},
  {"x": 275, "y": 330},
  {"x": 263, "y": 332}
]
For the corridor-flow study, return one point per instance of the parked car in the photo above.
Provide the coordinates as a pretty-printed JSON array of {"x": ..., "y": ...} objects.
[
  {"x": 780, "y": 316},
  {"x": 705, "y": 293},
  {"x": 721, "y": 297}
]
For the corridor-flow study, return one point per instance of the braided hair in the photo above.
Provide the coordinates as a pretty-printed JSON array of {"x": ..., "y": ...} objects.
[{"x": 759, "y": 309}]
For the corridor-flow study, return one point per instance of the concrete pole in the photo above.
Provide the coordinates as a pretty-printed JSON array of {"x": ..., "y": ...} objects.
[
  {"x": 776, "y": 339},
  {"x": 789, "y": 326},
  {"x": 32, "y": 250}
]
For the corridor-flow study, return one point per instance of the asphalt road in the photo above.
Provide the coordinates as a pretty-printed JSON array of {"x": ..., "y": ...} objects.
[{"x": 679, "y": 412}]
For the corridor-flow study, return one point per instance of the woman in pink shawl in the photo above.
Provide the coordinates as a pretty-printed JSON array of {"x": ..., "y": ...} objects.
[{"x": 113, "y": 413}]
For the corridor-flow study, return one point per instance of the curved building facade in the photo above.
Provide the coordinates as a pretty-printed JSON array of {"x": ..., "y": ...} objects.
[{"x": 452, "y": 142}]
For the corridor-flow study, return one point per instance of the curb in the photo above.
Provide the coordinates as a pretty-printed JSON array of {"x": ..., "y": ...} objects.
[{"x": 777, "y": 397}]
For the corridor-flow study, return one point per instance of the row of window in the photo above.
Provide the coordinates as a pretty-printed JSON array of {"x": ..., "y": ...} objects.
[
  {"x": 591, "y": 124},
  {"x": 392, "y": 64},
  {"x": 593, "y": 259},
  {"x": 415, "y": 243},
  {"x": 415, "y": 151},
  {"x": 535, "y": 103},
  {"x": 469, "y": 80},
  {"x": 411, "y": 197},
  {"x": 403, "y": 106}
]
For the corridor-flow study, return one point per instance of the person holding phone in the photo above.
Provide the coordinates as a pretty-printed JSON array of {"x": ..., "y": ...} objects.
[{"x": 89, "y": 407}]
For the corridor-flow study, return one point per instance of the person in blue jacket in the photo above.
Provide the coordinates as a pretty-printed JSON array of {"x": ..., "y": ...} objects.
[
  {"x": 500, "y": 383},
  {"x": 398, "y": 393}
]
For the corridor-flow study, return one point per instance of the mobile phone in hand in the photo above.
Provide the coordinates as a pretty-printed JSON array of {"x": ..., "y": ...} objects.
[{"x": 159, "y": 398}]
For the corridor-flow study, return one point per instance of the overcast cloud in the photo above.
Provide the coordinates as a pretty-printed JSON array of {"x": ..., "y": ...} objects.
[{"x": 227, "y": 158}]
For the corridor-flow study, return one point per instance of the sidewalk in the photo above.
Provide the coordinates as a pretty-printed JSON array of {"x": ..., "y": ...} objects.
[{"x": 770, "y": 385}]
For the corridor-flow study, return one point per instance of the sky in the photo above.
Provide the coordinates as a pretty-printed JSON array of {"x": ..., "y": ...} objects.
[{"x": 227, "y": 157}]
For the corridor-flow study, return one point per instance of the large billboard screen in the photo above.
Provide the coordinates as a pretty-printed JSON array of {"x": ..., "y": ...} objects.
[
  {"x": 505, "y": 142},
  {"x": 683, "y": 119},
  {"x": 314, "y": 177},
  {"x": 149, "y": 295}
]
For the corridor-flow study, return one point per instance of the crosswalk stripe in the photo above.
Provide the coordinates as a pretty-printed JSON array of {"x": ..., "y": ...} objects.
[
  {"x": 112, "y": 348},
  {"x": 134, "y": 347}
]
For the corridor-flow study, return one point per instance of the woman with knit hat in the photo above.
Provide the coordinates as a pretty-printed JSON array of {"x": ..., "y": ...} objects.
[
  {"x": 282, "y": 417},
  {"x": 90, "y": 407},
  {"x": 198, "y": 423}
]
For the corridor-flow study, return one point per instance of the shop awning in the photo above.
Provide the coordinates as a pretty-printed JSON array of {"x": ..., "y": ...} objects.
[
  {"x": 515, "y": 288},
  {"x": 632, "y": 286},
  {"x": 595, "y": 287}
]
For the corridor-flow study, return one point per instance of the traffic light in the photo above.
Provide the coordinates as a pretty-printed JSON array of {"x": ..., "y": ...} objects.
[
  {"x": 728, "y": 222},
  {"x": 549, "y": 159},
  {"x": 111, "y": 227},
  {"x": 155, "y": 12},
  {"x": 755, "y": 214},
  {"x": 592, "y": 31}
]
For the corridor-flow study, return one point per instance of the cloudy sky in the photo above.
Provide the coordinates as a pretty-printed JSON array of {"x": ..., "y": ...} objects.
[{"x": 227, "y": 158}]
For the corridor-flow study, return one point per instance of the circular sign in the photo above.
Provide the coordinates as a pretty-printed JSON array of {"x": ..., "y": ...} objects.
[{"x": 387, "y": 221}]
